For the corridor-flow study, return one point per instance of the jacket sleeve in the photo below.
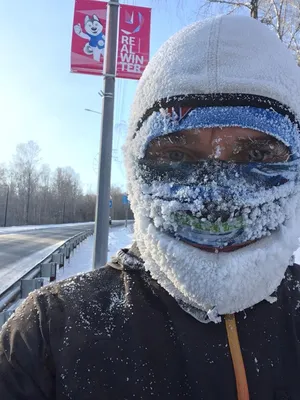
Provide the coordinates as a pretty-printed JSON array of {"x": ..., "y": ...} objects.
[{"x": 26, "y": 368}]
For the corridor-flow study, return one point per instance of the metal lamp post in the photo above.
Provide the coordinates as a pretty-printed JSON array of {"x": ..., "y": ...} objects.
[
  {"x": 105, "y": 153},
  {"x": 93, "y": 111}
]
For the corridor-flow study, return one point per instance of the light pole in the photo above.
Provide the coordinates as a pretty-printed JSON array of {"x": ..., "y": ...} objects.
[
  {"x": 105, "y": 152},
  {"x": 93, "y": 111}
]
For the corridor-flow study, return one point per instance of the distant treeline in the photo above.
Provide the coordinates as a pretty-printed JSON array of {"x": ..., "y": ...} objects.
[{"x": 32, "y": 194}]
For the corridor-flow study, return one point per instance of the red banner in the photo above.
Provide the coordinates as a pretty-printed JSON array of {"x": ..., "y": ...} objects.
[
  {"x": 134, "y": 41},
  {"x": 88, "y": 40}
]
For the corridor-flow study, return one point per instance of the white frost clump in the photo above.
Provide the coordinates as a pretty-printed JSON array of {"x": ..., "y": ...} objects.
[{"x": 224, "y": 282}]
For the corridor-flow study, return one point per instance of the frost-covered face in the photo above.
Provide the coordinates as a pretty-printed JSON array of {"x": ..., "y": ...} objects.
[
  {"x": 232, "y": 144},
  {"x": 201, "y": 188},
  {"x": 217, "y": 188}
]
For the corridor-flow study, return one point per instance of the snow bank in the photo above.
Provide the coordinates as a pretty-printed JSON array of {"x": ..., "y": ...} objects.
[{"x": 82, "y": 258}]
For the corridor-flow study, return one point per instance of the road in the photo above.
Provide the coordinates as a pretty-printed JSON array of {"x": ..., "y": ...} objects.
[
  {"x": 20, "y": 251},
  {"x": 16, "y": 246}
]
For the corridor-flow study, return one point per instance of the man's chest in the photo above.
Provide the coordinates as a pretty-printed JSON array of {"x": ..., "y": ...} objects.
[{"x": 170, "y": 359}]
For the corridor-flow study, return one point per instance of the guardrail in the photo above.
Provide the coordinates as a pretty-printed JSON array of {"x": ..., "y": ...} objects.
[{"x": 13, "y": 296}]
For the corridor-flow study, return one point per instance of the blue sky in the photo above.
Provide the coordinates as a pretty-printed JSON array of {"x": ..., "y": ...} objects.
[{"x": 44, "y": 102}]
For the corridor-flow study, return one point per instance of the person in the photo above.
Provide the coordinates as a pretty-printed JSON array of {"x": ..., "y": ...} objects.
[{"x": 205, "y": 304}]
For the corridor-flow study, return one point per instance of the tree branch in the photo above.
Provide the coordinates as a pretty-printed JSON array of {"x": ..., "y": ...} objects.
[{"x": 232, "y": 3}]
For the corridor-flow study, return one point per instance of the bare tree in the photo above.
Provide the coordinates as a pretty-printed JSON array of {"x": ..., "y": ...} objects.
[
  {"x": 86, "y": 207},
  {"x": 31, "y": 193},
  {"x": 4, "y": 193},
  {"x": 43, "y": 197},
  {"x": 66, "y": 189},
  {"x": 24, "y": 167},
  {"x": 282, "y": 16},
  {"x": 3, "y": 174}
]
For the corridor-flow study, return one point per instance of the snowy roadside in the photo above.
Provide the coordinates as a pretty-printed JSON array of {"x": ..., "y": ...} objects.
[{"x": 82, "y": 258}]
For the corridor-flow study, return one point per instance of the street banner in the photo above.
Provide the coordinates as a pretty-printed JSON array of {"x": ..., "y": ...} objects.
[
  {"x": 88, "y": 39},
  {"x": 134, "y": 41}
]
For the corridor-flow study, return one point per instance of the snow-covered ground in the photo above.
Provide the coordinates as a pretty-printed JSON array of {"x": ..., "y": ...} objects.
[
  {"x": 82, "y": 258},
  {"x": 14, "y": 229}
]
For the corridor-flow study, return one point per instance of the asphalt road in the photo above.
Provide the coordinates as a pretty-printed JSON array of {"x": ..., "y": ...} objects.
[
  {"x": 20, "y": 251},
  {"x": 16, "y": 246}
]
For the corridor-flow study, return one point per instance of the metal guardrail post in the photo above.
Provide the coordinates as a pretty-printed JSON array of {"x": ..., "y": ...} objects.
[
  {"x": 48, "y": 270},
  {"x": 4, "y": 315},
  {"x": 10, "y": 299},
  {"x": 3, "y": 318},
  {"x": 58, "y": 259},
  {"x": 67, "y": 251},
  {"x": 28, "y": 285}
]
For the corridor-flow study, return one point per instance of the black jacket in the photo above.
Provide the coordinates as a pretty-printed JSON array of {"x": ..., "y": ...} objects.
[{"x": 115, "y": 334}]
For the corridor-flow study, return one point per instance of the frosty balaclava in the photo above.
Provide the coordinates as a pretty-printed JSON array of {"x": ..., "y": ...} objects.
[{"x": 230, "y": 71}]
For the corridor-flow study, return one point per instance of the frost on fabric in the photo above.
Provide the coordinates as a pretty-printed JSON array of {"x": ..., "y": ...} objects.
[
  {"x": 221, "y": 282},
  {"x": 96, "y": 310},
  {"x": 116, "y": 301},
  {"x": 256, "y": 365},
  {"x": 218, "y": 194},
  {"x": 253, "y": 64},
  {"x": 241, "y": 70},
  {"x": 263, "y": 120},
  {"x": 271, "y": 299},
  {"x": 225, "y": 282}
]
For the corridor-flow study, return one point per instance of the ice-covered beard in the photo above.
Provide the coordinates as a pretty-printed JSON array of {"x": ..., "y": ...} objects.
[{"x": 216, "y": 283}]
